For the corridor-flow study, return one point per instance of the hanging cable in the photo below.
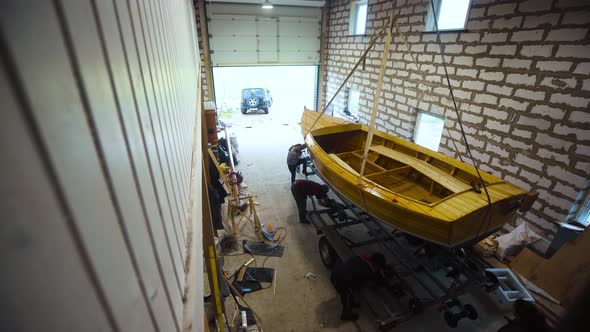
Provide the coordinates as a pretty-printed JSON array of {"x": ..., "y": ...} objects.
[
  {"x": 361, "y": 60},
  {"x": 442, "y": 56},
  {"x": 421, "y": 93}
]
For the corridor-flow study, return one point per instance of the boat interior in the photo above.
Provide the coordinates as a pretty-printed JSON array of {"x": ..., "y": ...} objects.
[{"x": 402, "y": 170}]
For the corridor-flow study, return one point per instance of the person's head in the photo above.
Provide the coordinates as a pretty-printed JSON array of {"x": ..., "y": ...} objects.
[
  {"x": 378, "y": 259},
  {"x": 323, "y": 196},
  {"x": 324, "y": 191}
]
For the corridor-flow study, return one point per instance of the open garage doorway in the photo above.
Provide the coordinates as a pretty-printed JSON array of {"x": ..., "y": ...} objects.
[{"x": 286, "y": 90}]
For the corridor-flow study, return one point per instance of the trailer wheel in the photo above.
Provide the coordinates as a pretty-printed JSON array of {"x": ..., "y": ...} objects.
[
  {"x": 470, "y": 311},
  {"x": 451, "y": 319},
  {"x": 327, "y": 253}
]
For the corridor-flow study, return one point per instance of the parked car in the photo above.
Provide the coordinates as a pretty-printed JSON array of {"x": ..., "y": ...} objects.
[{"x": 255, "y": 99}]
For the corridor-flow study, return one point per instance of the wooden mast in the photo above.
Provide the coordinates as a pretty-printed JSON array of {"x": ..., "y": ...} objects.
[{"x": 376, "y": 98}]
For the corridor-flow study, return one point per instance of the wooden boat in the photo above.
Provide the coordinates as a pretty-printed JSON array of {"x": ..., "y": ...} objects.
[{"x": 414, "y": 189}]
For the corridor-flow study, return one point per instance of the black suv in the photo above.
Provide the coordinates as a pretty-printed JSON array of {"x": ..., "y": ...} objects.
[{"x": 255, "y": 99}]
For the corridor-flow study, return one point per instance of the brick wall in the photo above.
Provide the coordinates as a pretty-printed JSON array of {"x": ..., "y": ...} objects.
[{"x": 520, "y": 74}]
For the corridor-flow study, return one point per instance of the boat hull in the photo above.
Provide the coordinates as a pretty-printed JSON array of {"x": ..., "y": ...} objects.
[{"x": 454, "y": 221}]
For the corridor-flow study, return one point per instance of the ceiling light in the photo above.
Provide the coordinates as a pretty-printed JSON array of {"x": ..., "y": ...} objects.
[{"x": 267, "y": 4}]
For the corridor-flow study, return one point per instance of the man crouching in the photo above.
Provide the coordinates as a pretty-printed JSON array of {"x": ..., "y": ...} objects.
[{"x": 351, "y": 275}]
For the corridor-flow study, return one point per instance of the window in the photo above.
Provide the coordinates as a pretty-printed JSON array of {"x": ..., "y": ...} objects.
[
  {"x": 584, "y": 214},
  {"x": 354, "y": 96},
  {"x": 582, "y": 209},
  {"x": 450, "y": 15},
  {"x": 358, "y": 18},
  {"x": 429, "y": 129}
]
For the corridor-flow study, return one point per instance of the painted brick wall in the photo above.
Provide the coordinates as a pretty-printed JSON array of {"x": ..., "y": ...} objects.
[{"x": 520, "y": 74}]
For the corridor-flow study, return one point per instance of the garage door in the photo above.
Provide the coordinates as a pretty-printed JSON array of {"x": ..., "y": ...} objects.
[{"x": 244, "y": 35}]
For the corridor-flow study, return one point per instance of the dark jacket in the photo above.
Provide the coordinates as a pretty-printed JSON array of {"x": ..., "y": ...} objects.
[
  {"x": 303, "y": 188},
  {"x": 353, "y": 272}
]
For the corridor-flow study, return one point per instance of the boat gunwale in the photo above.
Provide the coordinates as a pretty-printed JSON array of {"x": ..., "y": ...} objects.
[
  {"x": 396, "y": 195},
  {"x": 346, "y": 127},
  {"x": 386, "y": 192}
]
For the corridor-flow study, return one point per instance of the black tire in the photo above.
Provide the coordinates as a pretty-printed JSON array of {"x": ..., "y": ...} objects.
[
  {"x": 265, "y": 111},
  {"x": 252, "y": 101},
  {"x": 244, "y": 111},
  {"x": 327, "y": 253},
  {"x": 470, "y": 311},
  {"x": 451, "y": 319}
]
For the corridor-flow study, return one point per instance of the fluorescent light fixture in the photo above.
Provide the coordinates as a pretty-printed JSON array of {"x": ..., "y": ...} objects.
[{"x": 267, "y": 4}]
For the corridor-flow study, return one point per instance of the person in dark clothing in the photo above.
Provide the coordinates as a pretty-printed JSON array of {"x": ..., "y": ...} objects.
[
  {"x": 527, "y": 319},
  {"x": 301, "y": 189},
  {"x": 294, "y": 159},
  {"x": 351, "y": 275}
]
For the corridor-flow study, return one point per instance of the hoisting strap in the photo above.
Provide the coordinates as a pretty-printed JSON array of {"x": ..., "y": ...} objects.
[{"x": 376, "y": 99}]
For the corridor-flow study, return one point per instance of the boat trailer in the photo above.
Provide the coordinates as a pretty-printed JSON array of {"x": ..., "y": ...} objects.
[{"x": 419, "y": 273}]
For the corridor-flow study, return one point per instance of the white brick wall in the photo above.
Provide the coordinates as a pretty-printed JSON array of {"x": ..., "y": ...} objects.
[
  {"x": 516, "y": 63},
  {"x": 521, "y": 74},
  {"x": 529, "y": 94},
  {"x": 533, "y": 6},
  {"x": 579, "y": 117},
  {"x": 499, "y": 89},
  {"x": 521, "y": 79},
  {"x": 552, "y": 112},
  {"x": 561, "y": 98},
  {"x": 527, "y": 35},
  {"x": 573, "y": 51},
  {"x": 536, "y": 50},
  {"x": 503, "y": 50},
  {"x": 558, "y": 66},
  {"x": 567, "y": 34},
  {"x": 504, "y": 9}
]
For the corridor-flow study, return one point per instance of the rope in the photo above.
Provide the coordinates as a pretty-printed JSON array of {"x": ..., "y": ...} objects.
[
  {"x": 430, "y": 87},
  {"x": 361, "y": 60},
  {"x": 467, "y": 148}
]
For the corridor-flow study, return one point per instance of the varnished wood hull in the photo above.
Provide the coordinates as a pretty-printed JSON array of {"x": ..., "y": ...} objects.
[{"x": 459, "y": 217}]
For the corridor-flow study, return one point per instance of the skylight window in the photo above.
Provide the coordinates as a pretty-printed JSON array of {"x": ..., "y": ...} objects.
[
  {"x": 358, "y": 18},
  {"x": 450, "y": 15}
]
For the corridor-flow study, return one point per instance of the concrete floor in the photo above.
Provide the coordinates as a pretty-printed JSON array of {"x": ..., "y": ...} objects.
[{"x": 301, "y": 304}]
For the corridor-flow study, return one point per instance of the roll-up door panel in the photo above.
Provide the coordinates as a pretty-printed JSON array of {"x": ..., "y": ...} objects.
[{"x": 246, "y": 35}]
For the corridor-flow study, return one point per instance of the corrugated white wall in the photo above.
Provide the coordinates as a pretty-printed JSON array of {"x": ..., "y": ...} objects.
[{"x": 97, "y": 125}]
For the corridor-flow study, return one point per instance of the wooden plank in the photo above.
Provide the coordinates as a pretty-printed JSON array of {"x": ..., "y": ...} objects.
[
  {"x": 310, "y": 116},
  {"x": 59, "y": 109},
  {"x": 343, "y": 164},
  {"x": 373, "y": 165},
  {"x": 441, "y": 177},
  {"x": 44, "y": 267}
]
